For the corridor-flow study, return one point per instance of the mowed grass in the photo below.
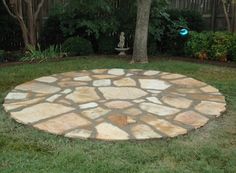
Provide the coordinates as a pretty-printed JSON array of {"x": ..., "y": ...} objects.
[{"x": 211, "y": 149}]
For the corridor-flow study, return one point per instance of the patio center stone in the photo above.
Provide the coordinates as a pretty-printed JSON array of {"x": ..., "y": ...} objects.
[{"x": 115, "y": 104}]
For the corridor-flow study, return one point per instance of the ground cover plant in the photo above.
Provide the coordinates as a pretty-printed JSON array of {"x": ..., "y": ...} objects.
[{"x": 208, "y": 150}]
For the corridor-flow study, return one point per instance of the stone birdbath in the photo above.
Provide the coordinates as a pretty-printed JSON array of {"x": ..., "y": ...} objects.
[{"x": 121, "y": 46}]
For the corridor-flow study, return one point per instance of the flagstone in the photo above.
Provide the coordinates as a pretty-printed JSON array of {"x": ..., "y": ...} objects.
[
  {"x": 158, "y": 109},
  {"x": 133, "y": 111},
  {"x": 95, "y": 113},
  {"x": 128, "y": 93},
  {"x": 178, "y": 102},
  {"x": 118, "y": 72},
  {"x": 104, "y": 76},
  {"x": 210, "y": 89},
  {"x": 83, "y": 78},
  {"x": 125, "y": 82},
  {"x": 79, "y": 133},
  {"x": 83, "y": 95},
  {"x": 154, "y": 91},
  {"x": 151, "y": 73},
  {"x": 66, "y": 84},
  {"x": 208, "y": 97},
  {"x": 53, "y": 98},
  {"x": 63, "y": 123},
  {"x": 139, "y": 101},
  {"x": 172, "y": 76},
  {"x": 192, "y": 118},
  {"x": 153, "y": 84},
  {"x": 40, "y": 111},
  {"x": 154, "y": 100},
  {"x": 118, "y": 120},
  {"x": 188, "y": 82},
  {"x": 66, "y": 91},
  {"x": 107, "y": 131},
  {"x": 16, "y": 96},
  {"x": 88, "y": 105},
  {"x": 102, "y": 82},
  {"x": 47, "y": 79},
  {"x": 142, "y": 131},
  {"x": 211, "y": 108},
  {"x": 99, "y": 71},
  {"x": 118, "y": 104},
  {"x": 38, "y": 88},
  {"x": 164, "y": 126}
]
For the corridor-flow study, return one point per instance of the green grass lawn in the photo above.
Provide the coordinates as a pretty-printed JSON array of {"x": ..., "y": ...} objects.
[{"x": 211, "y": 149}]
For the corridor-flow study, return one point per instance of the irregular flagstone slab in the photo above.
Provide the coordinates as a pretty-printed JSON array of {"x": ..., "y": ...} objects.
[
  {"x": 16, "y": 96},
  {"x": 83, "y": 95},
  {"x": 118, "y": 104},
  {"x": 142, "y": 131},
  {"x": 63, "y": 123},
  {"x": 47, "y": 79},
  {"x": 153, "y": 84},
  {"x": 95, "y": 113},
  {"x": 118, "y": 72},
  {"x": 158, "y": 109},
  {"x": 102, "y": 82},
  {"x": 192, "y": 118},
  {"x": 172, "y": 76},
  {"x": 38, "y": 88},
  {"x": 16, "y": 105},
  {"x": 178, "y": 102},
  {"x": 79, "y": 133},
  {"x": 107, "y": 131},
  {"x": 83, "y": 78},
  {"x": 164, "y": 126},
  {"x": 39, "y": 112},
  {"x": 151, "y": 73},
  {"x": 125, "y": 82},
  {"x": 115, "y": 104},
  {"x": 122, "y": 93},
  {"x": 211, "y": 108},
  {"x": 188, "y": 82}
]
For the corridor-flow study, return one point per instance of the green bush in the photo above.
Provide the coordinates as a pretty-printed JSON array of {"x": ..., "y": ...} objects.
[
  {"x": 232, "y": 49},
  {"x": 2, "y": 53},
  {"x": 77, "y": 46},
  {"x": 198, "y": 44},
  {"x": 221, "y": 42},
  {"x": 106, "y": 44}
]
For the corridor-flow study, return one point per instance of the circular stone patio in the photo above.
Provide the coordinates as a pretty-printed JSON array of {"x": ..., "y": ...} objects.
[{"x": 115, "y": 104}]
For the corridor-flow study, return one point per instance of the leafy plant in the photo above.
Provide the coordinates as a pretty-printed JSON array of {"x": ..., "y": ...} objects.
[
  {"x": 221, "y": 43},
  {"x": 232, "y": 49},
  {"x": 42, "y": 55},
  {"x": 77, "y": 46},
  {"x": 107, "y": 44},
  {"x": 199, "y": 44}
]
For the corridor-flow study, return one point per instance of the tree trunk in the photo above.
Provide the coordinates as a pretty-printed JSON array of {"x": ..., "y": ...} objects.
[
  {"x": 226, "y": 15},
  {"x": 141, "y": 32}
]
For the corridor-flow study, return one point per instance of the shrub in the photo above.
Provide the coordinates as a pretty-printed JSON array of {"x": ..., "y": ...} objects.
[
  {"x": 77, "y": 46},
  {"x": 38, "y": 55},
  {"x": 232, "y": 49},
  {"x": 106, "y": 44},
  {"x": 220, "y": 46},
  {"x": 2, "y": 58},
  {"x": 198, "y": 45}
]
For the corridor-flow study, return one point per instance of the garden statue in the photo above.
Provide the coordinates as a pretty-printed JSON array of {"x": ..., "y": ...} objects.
[{"x": 121, "y": 46}]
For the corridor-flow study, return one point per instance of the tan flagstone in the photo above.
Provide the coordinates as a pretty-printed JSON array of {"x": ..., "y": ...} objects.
[
  {"x": 66, "y": 91},
  {"x": 131, "y": 120},
  {"x": 83, "y": 78},
  {"x": 107, "y": 131},
  {"x": 164, "y": 126},
  {"x": 154, "y": 100},
  {"x": 151, "y": 73},
  {"x": 99, "y": 71},
  {"x": 65, "y": 84},
  {"x": 118, "y": 120},
  {"x": 88, "y": 105},
  {"x": 188, "y": 90},
  {"x": 192, "y": 118},
  {"x": 47, "y": 79},
  {"x": 104, "y": 76},
  {"x": 118, "y": 72},
  {"x": 102, "y": 82},
  {"x": 16, "y": 105},
  {"x": 63, "y": 123},
  {"x": 158, "y": 109},
  {"x": 208, "y": 97},
  {"x": 95, "y": 113},
  {"x": 211, "y": 108},
  {"x": 154, "y": 91},
  {"x": 154, "y": 84},
  {"x": 209, "y": 89},
  {"x": 178, "y": 102},
  {"x": 188, "y": 82},
  {"x": 142, "y": 131},
  {"x": 133, "y": 111},
  {"x": 39, "y": 112},
  {"x": 172, "y": 76},
  {"x": 38, "y": 88},
  {"x": 16, "y": 96},
  {"x": 83, "y": 95},
  {"x": 79, "y": 133},
  {"x": 53, "y": 98},
  {"x": 73, "y": 74},
  {"x": 128, "y": 93},
  {"x": 139, "y": 101},
  {"x": 118, "y": 104},
  {"x": 125, "y": 82}
]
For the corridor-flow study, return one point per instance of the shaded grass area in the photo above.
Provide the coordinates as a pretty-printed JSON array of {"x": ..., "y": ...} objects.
[{"x": 211, "y": 149}]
